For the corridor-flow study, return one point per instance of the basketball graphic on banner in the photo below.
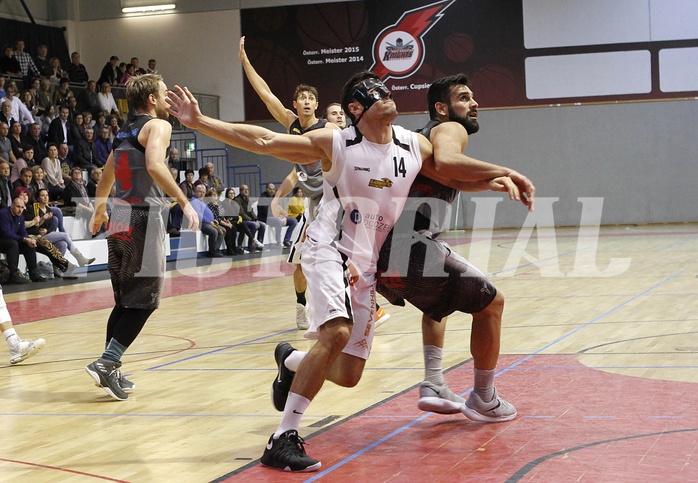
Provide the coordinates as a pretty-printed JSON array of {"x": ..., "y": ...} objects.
[
  {"x": 274, "y": 63},
  {"x": 335, "y": 25},
  {"x": 271, "y": 20},
  {"x": 458, "y": 47},
  {"x": 493, "y": 85}
]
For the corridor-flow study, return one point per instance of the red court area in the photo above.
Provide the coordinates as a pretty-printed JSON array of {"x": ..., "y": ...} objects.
[{"x": 575, "y": 424}]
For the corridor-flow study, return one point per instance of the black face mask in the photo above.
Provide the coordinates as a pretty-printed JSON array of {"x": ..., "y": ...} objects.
[{"x": 369, "y": 92}]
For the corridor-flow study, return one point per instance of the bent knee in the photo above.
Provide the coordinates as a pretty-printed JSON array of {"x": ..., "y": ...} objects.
[{"x": 497, "y": 304}]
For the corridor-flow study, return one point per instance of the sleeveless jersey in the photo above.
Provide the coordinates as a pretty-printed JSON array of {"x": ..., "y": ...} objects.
[
  {"x": 309, "y": 175},
  {"x": 432, "y": 216},
  {"x": 134, "y": 185},
  {"x": 365, "y": 192}
]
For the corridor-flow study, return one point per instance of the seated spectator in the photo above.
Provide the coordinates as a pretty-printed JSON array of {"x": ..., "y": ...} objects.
[
  {"x": 46, "y": 118},
  {"x": 26, "y": 176},
  {"x": 173, "y": 160},
  {"x": 6, "y": 153},
  {"x": 250, "y": 219},
  {"x": 208, "y": 223},
  {"x": 128, "y": 72},
  {"x": 5, "y": 185},
  {"x": 77, "y": 73},
  {"x": 100, "y": 122},
  {"x": 62, "y": 93},
  {"x": 57, "y": 72},
  {"x": 44, "y": 97},
  {"x": 88, "y": 100},
  {"x": 15, "y": 138},
  {"x": 85, "y": 152},
  {"x": 175, "y": 174},
  {"x": 14, "y": 240},
  {"x": 59, "y": 131},
  {"x": 29, "y": 102},
  {"x": 47, "y": 227},
  {"x": 95, "y": 176},
  {"x": 66, "y": 159},
  {"x": 114, "y": 125},
  {"x": 54, "y": 173},
  {"x": 106, "y": 100},
  {"x": 9, "y": 64},
  {"x": 231, "y": 212},
  {"x": 187, "y": 186},
  {"x": 87, "y": 120},
  {"x": 27, "y": 161},
  {"x": 19, "y": 111},
  {"x": 263, "y": 205},
  {"x": 103, "y": 145},
  {"x": 76, "y": 131},
  {"x": 33, "y": 138},
  {"x": 42, "y": 61},
  {"x": 203, "y": 178},
  {"x": 72, "y": 104},
  {"x": 230, "y": 230},
  {"x": 38, "y": 183},
  {"x": 76, "y": 196},
  {"x": 110, "y": 73},
  {"x": 213, "y": 180},
  {"x": 6, "y": 113},
  {"x": 296, "y": 205}
]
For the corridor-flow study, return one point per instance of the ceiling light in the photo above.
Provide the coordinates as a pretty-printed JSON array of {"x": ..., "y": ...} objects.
[{"x": 149, "y": 8}]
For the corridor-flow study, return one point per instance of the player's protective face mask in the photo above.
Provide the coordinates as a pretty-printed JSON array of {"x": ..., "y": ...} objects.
[{"x": 369, "y": 92}]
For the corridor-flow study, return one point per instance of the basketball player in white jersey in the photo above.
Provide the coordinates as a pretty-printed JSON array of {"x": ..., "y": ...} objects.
[{"x": 368, "y": 170}]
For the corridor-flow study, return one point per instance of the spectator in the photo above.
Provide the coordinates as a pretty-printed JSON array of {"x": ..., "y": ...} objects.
[
  {"x": 114, "y": 126},
  {"x": 173, "y": 160},
  {"x": 5, "y": 185},
  {"x": 26, "y": 63},
  {"x": 59, "y": 130},
  {"x": 26, "y": 161},
  {"x": 66, "y": 159},
  {"x": 229, "y": 230},
  {"x": 62, "y": 93},
  {"x": 87, "y": 120},
  {"x": 88, "y": 99},
  {"x": 109, "y": 74},
  {"x": 44, "y": 98},
  {"x": 127, "y": 72},
  {"x": 76, "y": 131},
  {"x": 106, "y": 100},
  {"x": 203, "y": 178},
  {"x": 296, "y": 205},
  {"x": 16, "y": 140},
  {"x": 231, "y": 212},
  {"x": 3, "y": 78},
  {"x": 57, "y": 73},
  {"x": 38, "y": 181},
  {"x": 103, "y": 145},
  {"x": 19, "y": 110},
  {"x": 100, "y": 121},
  {"x": 208, "y": 223},
  {"x": 76, "y": 197},
  {"x": 30, "y": 103},
  {"x": 187, "y": 186},
  {"x": 213, "y": 180},
  {"x": 46, "y": 118},
  {"x": 85, "y": 152},
  {"x": 9, "y": 64},
  {"x": 42, "y": 61},
  {"x": 6, "y": 113},
  {"x": 47, "y": 227},
  {"x": 24, "y": 181},
  {"x": 137, "y": 70},
  {"x": 54, "y": 174},
  {"x": 14, "y": 240},
  {"x": 250, "y": 219},
  {"x": 95, "y": 176},
  {"x": 277, "y": 223},
  {"x": 6, "y": 154},
  {"x": 77, "y": 73},
  {"x": 72, "y": 104},
  {"x": 33, "y": 138},
  {"x": 34, "y": 86},
  {"x": 152, "y": 63}
]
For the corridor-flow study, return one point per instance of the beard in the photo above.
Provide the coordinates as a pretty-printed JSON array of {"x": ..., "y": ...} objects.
[{"x": 471, "y": 125}]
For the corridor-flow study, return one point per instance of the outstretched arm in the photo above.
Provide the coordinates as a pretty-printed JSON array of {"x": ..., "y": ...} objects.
[
  {"x": 274, "y": 105},
  {"x": 297, "y": 149}
]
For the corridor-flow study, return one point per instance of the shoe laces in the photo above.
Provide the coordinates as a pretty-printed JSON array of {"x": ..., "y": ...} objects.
[{"x": 293, "y": 445}]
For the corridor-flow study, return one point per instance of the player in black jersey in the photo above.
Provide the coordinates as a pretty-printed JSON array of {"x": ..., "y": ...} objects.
[
  {"x": 137, "y": 168},
  {"x": 419, "y": 256}
]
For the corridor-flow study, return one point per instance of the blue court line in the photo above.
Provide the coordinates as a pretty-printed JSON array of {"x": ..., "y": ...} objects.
[{"x": 504, "y": 371}]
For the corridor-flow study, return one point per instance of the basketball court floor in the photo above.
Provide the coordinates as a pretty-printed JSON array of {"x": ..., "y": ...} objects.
[{"x": 599, "y": 355}]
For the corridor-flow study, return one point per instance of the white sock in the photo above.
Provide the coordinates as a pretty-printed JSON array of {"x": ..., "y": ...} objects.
[
  {"x": 12, "y": 338},
  {"x": 294, "y": 360},
  {"x": 293, "y": 412},
  {"x": 433, "y": 372},
  {"x": 484, "y": 384}
]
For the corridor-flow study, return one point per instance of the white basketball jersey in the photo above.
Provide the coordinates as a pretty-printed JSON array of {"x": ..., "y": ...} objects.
[{"x": 365, "y": 192}]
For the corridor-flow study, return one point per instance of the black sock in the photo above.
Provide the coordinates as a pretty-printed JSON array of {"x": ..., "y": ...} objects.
[{"x": 300, "y": 298}]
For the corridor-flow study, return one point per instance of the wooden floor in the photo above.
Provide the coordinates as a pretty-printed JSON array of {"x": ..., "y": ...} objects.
[{"x": 599, "y": 354}]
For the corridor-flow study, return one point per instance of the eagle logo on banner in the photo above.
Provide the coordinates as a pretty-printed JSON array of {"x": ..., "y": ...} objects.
[{"x": 398, "y": 51}]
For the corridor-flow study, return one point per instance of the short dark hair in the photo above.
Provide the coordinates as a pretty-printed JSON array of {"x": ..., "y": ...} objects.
[
  {"x": 348, "y": 90},
  {"x": 440, "y": 91},
  {"x": 305, "y": 88}
]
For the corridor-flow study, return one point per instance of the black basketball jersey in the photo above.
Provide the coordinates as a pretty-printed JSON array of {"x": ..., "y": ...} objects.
[{"x": 309, "y": 175}]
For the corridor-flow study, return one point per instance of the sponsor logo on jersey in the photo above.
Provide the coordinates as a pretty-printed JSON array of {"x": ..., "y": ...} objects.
[
  {"x": 381, "y": 183},
  {"x": 355, "y": 216},
  {"x": 361, "y": 168},
  {"x": 398, "y": 51}
]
